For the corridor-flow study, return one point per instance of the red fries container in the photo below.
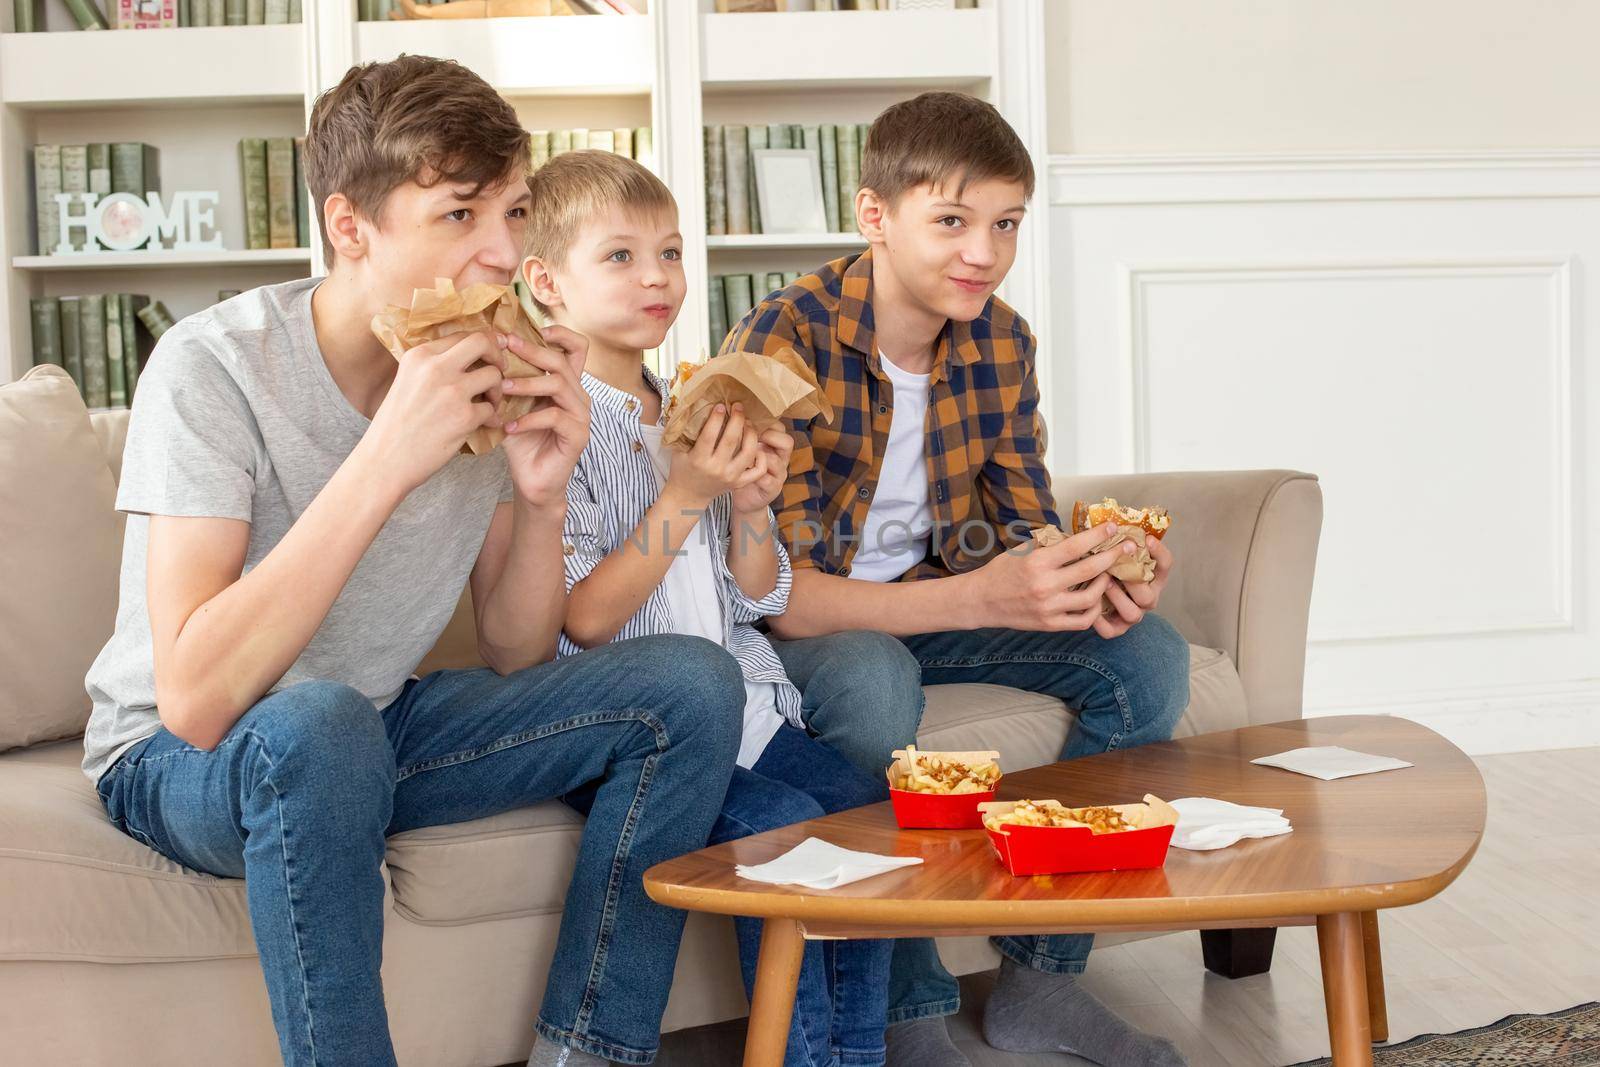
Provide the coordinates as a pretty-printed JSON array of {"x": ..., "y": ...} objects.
[
  {"x": 1075, "y": 849},
  {"x": 937, "y": 811}
]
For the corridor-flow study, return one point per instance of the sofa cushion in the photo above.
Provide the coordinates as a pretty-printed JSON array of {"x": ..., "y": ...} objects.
[
  {"x": 74, "y": 887},
  {"x": 58, "y": 572}
]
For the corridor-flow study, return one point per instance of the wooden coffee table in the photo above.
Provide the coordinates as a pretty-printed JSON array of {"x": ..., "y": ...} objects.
[{"x": 1359, "y": 844}]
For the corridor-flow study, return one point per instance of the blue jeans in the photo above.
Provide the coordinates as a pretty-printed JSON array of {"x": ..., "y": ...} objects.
[
  {"x": 1127, "y": 691},
  {"x": 842, "y": 999},
  {"x": 299, "y": 796}
]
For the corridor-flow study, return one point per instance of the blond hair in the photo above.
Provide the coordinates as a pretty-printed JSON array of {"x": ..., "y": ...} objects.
[{"x": 574, "y": 187}]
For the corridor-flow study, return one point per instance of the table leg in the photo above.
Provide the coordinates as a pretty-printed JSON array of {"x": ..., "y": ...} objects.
[
  {"x": 772, "y": 1006},
  {"x": 1344, "y": 985},
  {"x": 1377, "y": 1005}
]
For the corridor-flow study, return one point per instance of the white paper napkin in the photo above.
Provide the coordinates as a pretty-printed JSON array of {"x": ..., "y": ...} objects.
[
  {"x": 815, "y": 864},
  {"x": 1205, "y": 823},
  {"x": 1330, "y": 761}
]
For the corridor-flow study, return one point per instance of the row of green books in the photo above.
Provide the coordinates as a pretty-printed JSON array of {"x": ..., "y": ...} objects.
[
  {"x": 732, "y": 205},
  {"x": 637, "y": 144},
  {"x": 731, "y": 295},
  {"x": 97, "y": 339},
  {"x": 277, "y": 212},
  {"x": 161, "y": 14},
  {"x": 129, "y": 167}
]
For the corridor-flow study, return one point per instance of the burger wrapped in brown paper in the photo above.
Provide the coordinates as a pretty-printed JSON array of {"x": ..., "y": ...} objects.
[
  {"x": 773, "y": 389},
  {"x": 441, "y": 312},
  {"x": 1132, "y": 525}
]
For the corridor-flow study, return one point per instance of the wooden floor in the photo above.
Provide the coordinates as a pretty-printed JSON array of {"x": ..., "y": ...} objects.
[{"x": 1518, "y": 932}]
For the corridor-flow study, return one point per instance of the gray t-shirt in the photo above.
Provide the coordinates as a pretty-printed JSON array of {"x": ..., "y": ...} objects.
[{"x": 238, "y": 417}]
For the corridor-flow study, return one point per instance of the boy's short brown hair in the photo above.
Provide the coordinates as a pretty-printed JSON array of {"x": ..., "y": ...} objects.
[
  {"x": 573, "y": 187},
  {"x": 414, "y": 118},
  {"x": 937, "y": 136}
]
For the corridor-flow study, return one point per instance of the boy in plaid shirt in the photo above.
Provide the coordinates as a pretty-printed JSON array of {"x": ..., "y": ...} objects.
[{"x": 899, "y": 513}]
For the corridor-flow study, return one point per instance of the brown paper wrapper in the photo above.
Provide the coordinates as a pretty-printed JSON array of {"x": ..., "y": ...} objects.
[
  {"x": 441, "y": 312},
  {"x": 773, "y": 389},
  {"x": 1139, "y": 567}
]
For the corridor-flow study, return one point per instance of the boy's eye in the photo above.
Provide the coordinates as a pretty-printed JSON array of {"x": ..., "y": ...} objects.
[
  {"x": 518, "y": 212},
  {"x": 945, "y": 222},
  {"x": 672, "y": 254},
  {"x": 622, "y": 252},
  {"x": 460, "y": 214},
  {"x": 1008, "y": 224}
]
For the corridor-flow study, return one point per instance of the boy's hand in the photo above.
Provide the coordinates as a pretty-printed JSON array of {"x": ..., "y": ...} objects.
[
  {"x": 1132, "y": 599},
  {"x": 723, "y": 459},
  {"x": 543, "y": 446},
  {"x": 1032, "y": 590},
  {"x": 773, "y": 459},
  {"x": 434, "y": 404}
]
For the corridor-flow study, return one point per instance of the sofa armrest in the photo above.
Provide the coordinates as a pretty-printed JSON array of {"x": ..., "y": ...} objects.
[{"x": 1245, "y": 548}]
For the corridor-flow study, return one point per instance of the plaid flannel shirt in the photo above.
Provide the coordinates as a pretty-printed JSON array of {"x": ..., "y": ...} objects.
[{"x": 987, "y": 483}]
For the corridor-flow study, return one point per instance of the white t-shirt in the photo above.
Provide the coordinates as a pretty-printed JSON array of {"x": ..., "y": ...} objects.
[
  {"x": 691, "y": 586},
  {"x": 899, "y": 520}
]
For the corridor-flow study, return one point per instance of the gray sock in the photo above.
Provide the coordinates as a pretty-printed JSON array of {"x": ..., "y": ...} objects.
[
  {"x": 1031, "y": 1011},
  {"x": 549, "y": 1054},
  {"x": 922, "y": 1043}
]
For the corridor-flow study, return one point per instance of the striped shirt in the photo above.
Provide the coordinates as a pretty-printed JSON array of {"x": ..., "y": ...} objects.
[
  {"x": 609, "y": 492},
  {"x": 987, "y": 482}
]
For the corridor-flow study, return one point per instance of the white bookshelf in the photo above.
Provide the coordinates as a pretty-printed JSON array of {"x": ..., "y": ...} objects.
[{"x": 195, "y": 92}]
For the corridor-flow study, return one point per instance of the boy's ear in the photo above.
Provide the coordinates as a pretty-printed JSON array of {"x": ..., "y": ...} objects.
[
  {"x": 541, "y": 283},
  {"x": 870, "y": 212},
  {"x": 344, "y": 227}
]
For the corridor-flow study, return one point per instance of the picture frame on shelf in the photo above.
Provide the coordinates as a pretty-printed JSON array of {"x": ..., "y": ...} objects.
[{"x": 789, "y": 188}]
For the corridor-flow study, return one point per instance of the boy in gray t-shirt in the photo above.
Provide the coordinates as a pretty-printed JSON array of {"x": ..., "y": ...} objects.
[{"x": 301, "y": 523}]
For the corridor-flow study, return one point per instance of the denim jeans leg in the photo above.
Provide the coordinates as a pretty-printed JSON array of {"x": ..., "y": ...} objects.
[
  {"x": 1127, "y": 691},
  {"x": 656, "y": 722},
  {"x": 294, "y": 800},
  {"x": 861, "y": 693}
]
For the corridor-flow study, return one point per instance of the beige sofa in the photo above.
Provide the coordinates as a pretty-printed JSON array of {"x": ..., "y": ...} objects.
[{"x": 109, "y": 953}]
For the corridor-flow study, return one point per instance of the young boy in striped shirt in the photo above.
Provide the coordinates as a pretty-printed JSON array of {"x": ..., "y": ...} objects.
[{"x": 659, "y": 540}]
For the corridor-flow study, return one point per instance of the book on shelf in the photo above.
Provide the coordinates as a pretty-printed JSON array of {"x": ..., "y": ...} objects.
[
  {"x": 848, "y": 145},
  {"x": 46, "y": 315},
  {"x": 46, "y": 184},
  {"x": 736, "y": 178},
  {"x": 281, "y": 209},
  {"x": 135, "y": 347},
  {"x": 828, "y": 153},
  {"x": 739, "y": 295},
  {"x": 757, "y": 138},
  {"x": 717, "y": 308},
  {"x": 253, "y": 168},
  {"x": 255, "y": 12},
  {"x": 156, "y": 318},
  {"x": 87, "y": 14},
  {"x": 135, "y": 168},
  {"x": 96, "y": 339},
  {"x": 71, "y": 340},
  {"x": 74, "y": 180},
  {"x": 98, "y": 159},
  {"x": 116, "y": 372},
  {"x": 716, "y": 184},
  {"x": 92, "y": 344},
  {"x": 27, "y": 16},
  {"x": 302, "y": 196},
  {"x": 235, "y": 12}
]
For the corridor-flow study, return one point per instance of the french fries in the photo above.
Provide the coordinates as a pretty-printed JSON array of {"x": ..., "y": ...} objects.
[
  {"x": 946, "y": 773},
  {"x": 1098, "y": 819}
]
